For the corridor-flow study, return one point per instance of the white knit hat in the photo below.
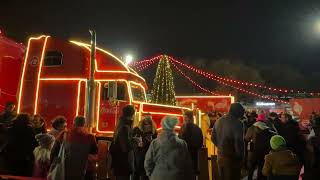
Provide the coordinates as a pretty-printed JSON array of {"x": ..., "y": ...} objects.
[{"x": 169, "y": 122}]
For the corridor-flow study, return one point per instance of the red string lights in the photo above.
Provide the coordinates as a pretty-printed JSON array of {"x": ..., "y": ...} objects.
[
  {"x": 238, "y": 88},
  {"x": 233, "y": 81},
  {"x": 192, "y": 81},
  {"x": 155, "y": 58},
  {"x": 142, "y": 65}
]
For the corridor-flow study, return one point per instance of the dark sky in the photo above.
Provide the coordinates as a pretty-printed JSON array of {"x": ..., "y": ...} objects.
[{"x": 250, "y": 30}]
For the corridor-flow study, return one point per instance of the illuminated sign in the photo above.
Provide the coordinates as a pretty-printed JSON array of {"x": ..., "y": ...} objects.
[{"x": 265, "y": 104}]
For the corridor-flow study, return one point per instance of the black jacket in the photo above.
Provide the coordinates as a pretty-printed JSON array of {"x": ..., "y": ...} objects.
[
  {"x": 6, "y": 118},
  {"x": 20, "y": 148},
  {"x": 192, "y": 135},
  {"x": 122, "y": 152}
]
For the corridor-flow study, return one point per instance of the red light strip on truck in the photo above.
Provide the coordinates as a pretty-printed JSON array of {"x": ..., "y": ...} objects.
[{"x": 24, "y": 69}]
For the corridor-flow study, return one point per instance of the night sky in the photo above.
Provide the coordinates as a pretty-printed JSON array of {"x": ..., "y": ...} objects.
[{"x": 253, "y": 31}]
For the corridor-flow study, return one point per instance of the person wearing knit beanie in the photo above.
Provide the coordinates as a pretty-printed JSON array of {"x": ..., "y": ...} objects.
[
  {"x": 261, "y": 117},
  {"x": 168, "y": 123},
  {"x": 281, "y": 163},
  {"x": 168, "y": 150},
  {"x": 277, "y": 142}
]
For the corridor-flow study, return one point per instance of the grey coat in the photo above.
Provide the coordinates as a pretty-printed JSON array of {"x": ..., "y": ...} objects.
[{"x": 168, "y": 158}]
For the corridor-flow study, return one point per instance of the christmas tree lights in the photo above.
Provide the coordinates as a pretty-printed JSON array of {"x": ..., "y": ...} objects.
[{"x": 163, "y": 87}]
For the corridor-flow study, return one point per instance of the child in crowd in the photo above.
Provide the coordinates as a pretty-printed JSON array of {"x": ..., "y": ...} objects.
[
  {"x": 281, "y": 163},
  {"x": 42, "y": 155}
]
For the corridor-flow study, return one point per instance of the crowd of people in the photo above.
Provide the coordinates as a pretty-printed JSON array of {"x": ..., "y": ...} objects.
[
  {"x": 138, "y": 153},
  {"x": 28, "y": 150},
  {"x": 141, "y": 153},
  {"x": 271, "y": 144}
]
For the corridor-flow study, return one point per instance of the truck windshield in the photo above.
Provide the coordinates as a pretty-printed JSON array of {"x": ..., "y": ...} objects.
[{"x": 137, "y": 93}]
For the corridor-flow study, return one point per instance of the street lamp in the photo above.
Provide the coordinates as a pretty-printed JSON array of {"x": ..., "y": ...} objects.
[
  {"x": 128, "y": 59},
  {"x": 317, "y": 26}
]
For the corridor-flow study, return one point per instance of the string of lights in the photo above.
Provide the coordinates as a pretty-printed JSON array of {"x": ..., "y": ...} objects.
[
  {"x": 253, "y": 93},
  {"x": 232, "y": 81},
  {"x": 155, "y": 58},
  {"x": 221, "y": 82},
  {"x": 192, "y": 81},
  {"x": 142, "y": 67}
]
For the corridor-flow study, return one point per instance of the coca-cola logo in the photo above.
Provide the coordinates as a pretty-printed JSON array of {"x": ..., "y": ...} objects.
[{"x": 105, "y": 110}]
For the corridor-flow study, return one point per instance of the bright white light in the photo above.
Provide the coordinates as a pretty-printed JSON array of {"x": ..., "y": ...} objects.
[
  {"x": 128, "y": 59},
  {"x": 317, "y": 26},
  {"x": 265, "y": 104}
]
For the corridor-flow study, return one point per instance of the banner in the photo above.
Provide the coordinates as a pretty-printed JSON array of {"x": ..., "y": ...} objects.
[
  {"x": 304, "y": 107},
  {"x": 206, "y": 103}
]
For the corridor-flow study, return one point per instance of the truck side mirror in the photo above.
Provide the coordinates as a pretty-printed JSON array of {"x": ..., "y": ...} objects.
[{"x": 112, "y": 90}]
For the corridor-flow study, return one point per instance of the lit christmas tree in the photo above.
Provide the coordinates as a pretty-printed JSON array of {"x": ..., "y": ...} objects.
[{"x": 163, "y": 88}]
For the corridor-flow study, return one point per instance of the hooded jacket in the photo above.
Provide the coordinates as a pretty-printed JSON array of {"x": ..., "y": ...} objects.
[
  {"x": 227, "y": 133},
  {"x": 259, "y": 135},
  {"x": 168, "y": 158}
]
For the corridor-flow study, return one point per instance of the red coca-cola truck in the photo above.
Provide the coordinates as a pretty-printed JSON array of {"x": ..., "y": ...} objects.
[{"x": 50, "y": 76}]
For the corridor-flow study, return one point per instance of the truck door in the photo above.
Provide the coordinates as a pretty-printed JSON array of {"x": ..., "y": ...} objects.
[{"x": 110, "y": 104}]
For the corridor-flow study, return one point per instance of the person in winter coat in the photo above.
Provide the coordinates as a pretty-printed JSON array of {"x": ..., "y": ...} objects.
[
  {"x": 7, "y": 116},
  {"x": 312, "y": 157},
  {"x": 122, "y": 148},
  {"x": 227, "y": 135},
  {"x": 144, "y": 134},
  {"x": 38, "y": 124},
  {"x": 281, "y": 163},
  {"x": 42, "y": 155},
  {"x": 149, "y": 130},
  {"x": 289, "y": 130},
  {"x": 192, "y": 135},
  {"x": 252, "y": 118},
  {"x": 258, "y": 137},
  {"x": 272, "y": 120},
  {"x": 21, "y": 144},
  {"x": 139, "y": 154},
  {"x": 168, "y": 157},
  {"x": 80, "y": 146},
  {"x": 59, "y": 124},
  {"x": 213, "y": 117}
]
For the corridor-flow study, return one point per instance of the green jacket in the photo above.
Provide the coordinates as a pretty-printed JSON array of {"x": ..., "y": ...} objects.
[{"x": 281, "y": 163}]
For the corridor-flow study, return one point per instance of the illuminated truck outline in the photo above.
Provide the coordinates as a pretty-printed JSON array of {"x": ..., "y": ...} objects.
[{"x": 37, "y": 80}]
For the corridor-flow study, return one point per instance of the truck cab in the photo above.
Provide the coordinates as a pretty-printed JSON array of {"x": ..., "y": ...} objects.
[{"x": 53, "y": 78}]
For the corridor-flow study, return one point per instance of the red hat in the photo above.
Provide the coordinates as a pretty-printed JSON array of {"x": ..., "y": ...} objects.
[{"x": 261, "y": 117}]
